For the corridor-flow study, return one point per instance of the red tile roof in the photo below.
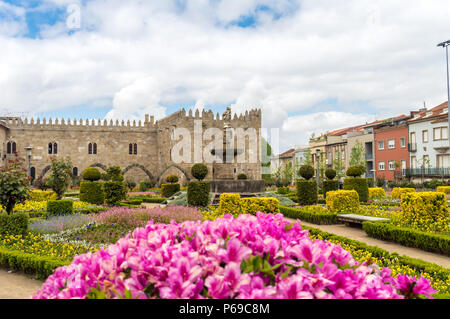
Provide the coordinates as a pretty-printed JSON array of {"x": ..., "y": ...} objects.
[{"x": 435, "y": 111}]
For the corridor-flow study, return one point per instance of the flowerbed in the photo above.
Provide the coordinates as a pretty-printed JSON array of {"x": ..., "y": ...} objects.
[
  {"x": 59, "y": 223},
  {"x": 314, "y": 214},
  {"x": 262, "y": 256}
]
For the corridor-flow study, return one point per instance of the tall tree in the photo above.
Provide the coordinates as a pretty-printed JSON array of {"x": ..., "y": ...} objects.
[
  {"x": 61, "y": 176},
  {"x": 358, "y": 155},
  {"x": 14, "y": 186}
]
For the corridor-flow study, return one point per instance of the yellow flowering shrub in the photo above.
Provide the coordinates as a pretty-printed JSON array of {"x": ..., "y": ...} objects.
[
  {"x": 342, "y": 201},
  {"x": 41, "y": 196},
  {"x": 36, "y": 206},
  {"x": 398, "y": 191},
  {"x": 443, "y": 189},
  {"x": 268, "y": 205},
  {"x": 230, "y": 204},
  {"x": 427, "y": 211},
  {"x": 376, "y": 192}
]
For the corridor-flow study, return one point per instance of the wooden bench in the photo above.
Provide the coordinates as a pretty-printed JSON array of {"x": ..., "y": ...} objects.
[{"x": 358, "y": 219}]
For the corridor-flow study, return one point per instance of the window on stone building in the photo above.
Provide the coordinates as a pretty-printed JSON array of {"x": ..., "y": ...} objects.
[
  {"x": 135, "y": 149},
  {"x": 55, "y": 148},
  {"x": 33, "y": 173},
  {"x": 14, "y": 147},
  {"x": 130, "y": 149},
  {"x": 94, "y": 148},
  {"x": 75, "y": 171},
  {"x": 50, "y": 148},
  {"x": 90, "y": 148},
  {"x": 8, "y": 148}
]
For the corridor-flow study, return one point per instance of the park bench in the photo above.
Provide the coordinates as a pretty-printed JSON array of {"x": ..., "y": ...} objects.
[{"x": 358, "y": 219}]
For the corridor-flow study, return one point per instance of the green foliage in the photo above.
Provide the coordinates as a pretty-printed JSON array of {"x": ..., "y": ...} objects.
[
  {"x": 358, "y": 155},
  {"x": 92, "y": 192},
  {"x": 339, "y": 166},
  {"x": 370, "y": 182},
  {"x": 380, "y": 181},
  {"x": 199, "y": 171},
  {"x": 61, "y": 176},
  {"x": 114, "y": 191},
  {"x": 285, "y": 200},
  {"x": 113, "y": 173},
  {"x": 343, "y": 201},
  {"x": 359, "y": 185},
  {"x": 283, "y": 190},
  {"x": 41, "y": 184},
  {"x": 198, "y": 193},
  {"x": 355, "y": 171},
  {"x": 146, "y": 184},
  {"x": 60, "y": 207},
  {"x": 330, "y": 173},
  {"x": 172, "y": 179},
  {"x": 91, "y": 174},
  {"x": 330, "y": 185},
  {"x": 14, "y": 187},
  {"x": 242, "y": 176},
  {"x": 409, "y": 237},
  {"x": 320, "y": 217},
  {"x": 130, "y": 184},
  {"x": 306, "y": 171},
  {"x": 306, "y": 192},
  {"x": 14, "y": 224},
  {"x": 167, "y": 190}
]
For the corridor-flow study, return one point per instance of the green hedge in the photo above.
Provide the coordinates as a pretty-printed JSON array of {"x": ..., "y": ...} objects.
[
  {"x": 330, "y": 185},
  {"x": 198, "y": 193},
  {"x": 308, "y": 216},
  {"x": 358, "y": 184},
  {"x": 154, "y": 200},
  {"x": 41, "y": 266},
  {"x": 437, "y": 271},
  {"x": 114, "y": 191},
  {"x": 92, "y": 192},
  {"x": 14, "y": 224},
  {"x": 59, "y": 207},
  {"x": 167, "y": 190},
  {"x": 409, "y": 237},
  {"x": 306, "y": 192}
]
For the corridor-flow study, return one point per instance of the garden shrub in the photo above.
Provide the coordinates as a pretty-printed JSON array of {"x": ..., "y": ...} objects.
[
  {"x": 319, "y": 215},
  {"x": 306, "y": 192},
  {"x": 431, "y": 242},
  {"x": 242, "y": 176},
  {"x": 355, "y": 171},
  {"x": 285, "y": 200},
  {"x": 172, "y": 179},
  {"x": 198, "y": 193},
  {"x": 267, "y": 205},
  {"x": 199, "y": 171},
  {"x": 423, "y": 208},
  {"x": 91, "y": 174},
  {"x": 60, "y": 207},
  {"x": 330, "y": 185},
  {"x": 130, "y": 184},
  {"x": 92, "y": 192},
  {"x": 358, "y": 184},
  {"x": 342, "y": 201},
  {"x": 283, "y": 190},
  {"x": 376, "y": 193},
  {"x": 443, "y": 189},
  {"x": 230, "y": 204},
  {"x": 330, "y": 173},
  {"x": 114, "y": 192},
  {"x": 167, "y": 190},
  {"x": 154, "y": 200},
  {"x": 306, "y": 171},
  {"x": 398, "y": 191},
  {"x": 41, "y": 196},
  {"x": 14, "y": 224},
  {"x": 370, "y": 182}
]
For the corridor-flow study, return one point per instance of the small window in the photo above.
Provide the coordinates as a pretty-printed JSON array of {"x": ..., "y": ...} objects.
[
  {"x": 402, "y": 142},
  {"x": 381, "y": 145},
  {"x": 8, "y": 148},
  {"x": 391, "y": 165},
  {"x": 391, "y": 144},
  {"x": 130, "y": 149},
  {"x": 75, "y": 171},
  {"x": 33, "y": 173},
  {"x": 50, "y": 148},
  {"x": 381, "y": 166},
  {"x": 135, "y": 149},
  {"x": 14, "y": 147},
  {"x": 55, "y": 148},
  {"x": 90, "y": 148},
  {"x": 425, "y": 136},
  {"x": 94, "y": 151}
]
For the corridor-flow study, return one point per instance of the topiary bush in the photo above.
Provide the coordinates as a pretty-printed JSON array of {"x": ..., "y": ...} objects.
[
  {"x": 359, "y": 185},
  {"x": 14, "y": 224},
  {"x": 398, "y": 191},
  {"x": 330, "y": 173},
  {"x": 198, "y": 193},
  {"x": 230, "y": 204},
  {"x": 92, "y": 192},
  {"x": 167, "y": 190},
  {"x": 172, "y": 179},
  {"x": 330, "y": 185},
  {"x": 424, "y": 208},
  {"x": 59, "y": 207},
  {"x": 268, "y": 205},
  {"x": 306, "y": 171},
  {"x": 443, "y": 189},
  {"x": 91, "y": 174},
  {"x": 283, "y": 190},
  {"x": 306, "y": 192},
  {"x": 114, "y": 192},
  {"x": 355, "y": 171},
  {"x": 242, "y": 176},
  {"x": 376, "y": 193},
  {"x": 343, "y": 201},
  {"x": 199, "y": 171}
]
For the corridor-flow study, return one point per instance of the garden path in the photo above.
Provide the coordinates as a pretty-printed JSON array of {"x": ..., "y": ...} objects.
[
  {"x": 17, "y": 285},
  {"x": 360, "y": 235}
]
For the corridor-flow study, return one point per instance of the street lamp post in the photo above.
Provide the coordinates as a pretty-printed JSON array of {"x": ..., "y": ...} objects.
[
  {"x": 317, "y": 163},
  {"x": 445, "y": 45},
  {"x": 29, "y": 149}
]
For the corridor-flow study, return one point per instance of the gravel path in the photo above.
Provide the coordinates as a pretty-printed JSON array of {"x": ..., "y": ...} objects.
[{"x": 17, "y": 285}]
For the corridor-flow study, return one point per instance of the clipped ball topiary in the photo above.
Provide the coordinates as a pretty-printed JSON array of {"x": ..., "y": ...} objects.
[
  {"x": 355, "y": 171},
  {"x": 172, "y": 179},
  {"x": 199, "y": 171},
  {"x": 330, "y": 173},
  {"x": 242, "y": 176},
  {"x": 306, "y": 171},
  {"x": 91, "y": 174}
]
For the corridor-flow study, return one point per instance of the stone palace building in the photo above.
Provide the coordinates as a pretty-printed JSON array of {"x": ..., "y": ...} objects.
[{"x": 141, "y": 149}]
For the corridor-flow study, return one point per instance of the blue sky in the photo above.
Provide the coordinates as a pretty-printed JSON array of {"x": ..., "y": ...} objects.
[{"x": 311, "y": 66}]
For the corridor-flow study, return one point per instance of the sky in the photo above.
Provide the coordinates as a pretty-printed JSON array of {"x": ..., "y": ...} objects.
[{"x": 311, "y": 65}]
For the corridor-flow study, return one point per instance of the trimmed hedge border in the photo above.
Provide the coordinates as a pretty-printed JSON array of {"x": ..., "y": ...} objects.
[
  {"x": 319, "y": 219},
  {"x": 417, "y": 264},
  {"x": 409, "y": 237},
  {"x": 41, "y": 266}
]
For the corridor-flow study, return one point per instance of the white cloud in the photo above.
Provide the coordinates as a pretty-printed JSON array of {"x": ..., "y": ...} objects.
[{"x": 141, "y": 56}]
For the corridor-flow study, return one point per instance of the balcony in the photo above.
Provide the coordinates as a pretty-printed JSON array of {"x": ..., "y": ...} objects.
[
  {"x": 369, "y": 157},
  {"x": 426, "y": 172},
  {"x": 412, "y": 147}
]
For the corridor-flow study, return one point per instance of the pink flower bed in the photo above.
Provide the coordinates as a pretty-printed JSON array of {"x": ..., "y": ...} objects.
[{"x": 262, "y": 256}]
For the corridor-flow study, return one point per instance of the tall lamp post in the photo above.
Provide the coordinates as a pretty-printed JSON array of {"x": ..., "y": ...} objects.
[
  {"x": 29, "y": 149},
  {"x": 317, "y": 163},
  {"x": 445, "y": 45}
]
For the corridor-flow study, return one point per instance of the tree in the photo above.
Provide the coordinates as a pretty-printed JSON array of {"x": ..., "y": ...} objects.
[
  {"x": 339, "y": 166},
  {"x": 266, "y": 153},
  {"x": 288, "y": 173},
  {"x": 61, "y": 176},
  {"x": 14, "y": 184},
  {"x": 307, "y": 158},
  {"x": 358, "y": 155}
]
